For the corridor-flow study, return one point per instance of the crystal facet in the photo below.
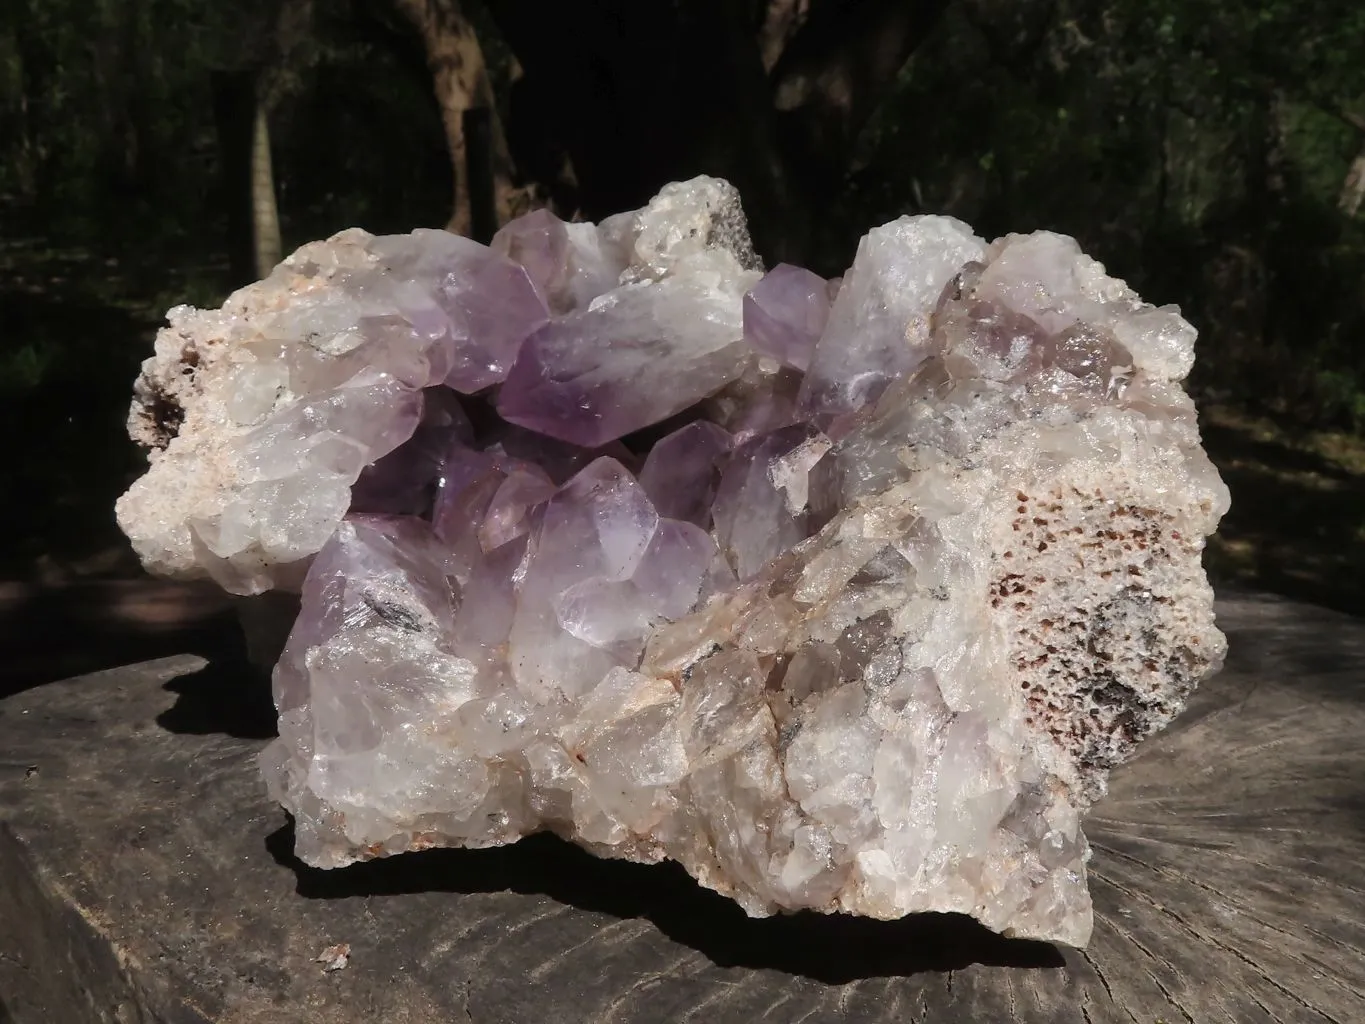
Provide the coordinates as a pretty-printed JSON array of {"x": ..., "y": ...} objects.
[
  {"x": 785, "y": 314},
  {"x": 845, "y": 595},
  {"x": 879, "y": 327}
]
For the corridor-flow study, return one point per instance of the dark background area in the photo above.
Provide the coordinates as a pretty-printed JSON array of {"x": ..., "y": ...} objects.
[{"x": 1211, "y": 153}]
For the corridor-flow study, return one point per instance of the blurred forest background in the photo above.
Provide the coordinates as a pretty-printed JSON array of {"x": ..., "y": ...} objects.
[{"x": 154, "y": 152}]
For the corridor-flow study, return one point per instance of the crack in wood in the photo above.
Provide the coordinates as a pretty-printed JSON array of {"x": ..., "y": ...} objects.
[
  {"x": 1212, "y": 939},
  {"x": 1170, "y": 997},
  {"x": 1242, "y": 907},
  {"x": 645, "y": 982},
  {"x": 1099, "y": 973},
  {"x": 598, "y": 936}
]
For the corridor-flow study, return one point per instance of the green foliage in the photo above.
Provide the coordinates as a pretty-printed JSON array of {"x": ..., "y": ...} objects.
[
  {"x": 1342, "y": 398},
  {"x": 25, "y": 367}
]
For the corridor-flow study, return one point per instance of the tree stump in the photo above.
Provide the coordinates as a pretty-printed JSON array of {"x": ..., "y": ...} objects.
[{"x": 145, "y": 876}]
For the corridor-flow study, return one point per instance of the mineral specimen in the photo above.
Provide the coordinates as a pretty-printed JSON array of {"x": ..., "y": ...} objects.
[{"x": 845, "y": 595}]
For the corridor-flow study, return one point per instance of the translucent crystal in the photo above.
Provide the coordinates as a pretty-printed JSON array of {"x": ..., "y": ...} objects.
[
  {"x": 683, "y": 470},
  {"x": 489, "y": 301},
  {"x": 263, "y": 414},
  {"x": 845, "y": 595},
  {"x": 639, "y": 355},
  {"x": 879, "y": 326},
  {"x": 760, "y": 505},
  {"x": 402, "y": 482},
  {"x": 569, "y": 264},
  {"x": 785, "y": 314}
]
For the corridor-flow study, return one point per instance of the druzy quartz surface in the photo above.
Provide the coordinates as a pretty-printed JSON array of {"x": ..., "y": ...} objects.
[{"x": 846, "y": 595}]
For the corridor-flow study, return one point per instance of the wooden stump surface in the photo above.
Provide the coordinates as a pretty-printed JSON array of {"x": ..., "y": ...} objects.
[{"x": 146, "y": 877}]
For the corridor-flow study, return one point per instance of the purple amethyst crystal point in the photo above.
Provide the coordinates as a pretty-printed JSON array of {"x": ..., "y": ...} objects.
[
  {"x": 560, "y": 459},
  {"x": 641, "y": 354},
  {"x": 483, "y": 501},
  {"x": 507, "y": 515},
  {"x": 489, "y": 301},
  {"x": 387, "y": 567},
  {"x": 593, "y": 533},
  {"x": 762, "y": 400},
  {"x": 631, "y": 572},
  {"x": 403, "y": 482},
  {"x": 538, "y": 241},
  {"x": 651, "y": 347},
  {"x": 879, "y": 326},
  {"x": 377, "y": 595},
  {"x": 761, "y": 505},
  {"x": 569, "y": 264},
  {"x": 670, "y": 575},
  {"x": 785, "y": 314},
  {"x": 683, "y": 469}
]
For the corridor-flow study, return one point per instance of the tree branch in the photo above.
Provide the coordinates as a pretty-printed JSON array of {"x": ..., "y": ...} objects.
[
  {"x": 1013, "y": 32},
  {"x": 1270, "y": 72},
  {"x": 1347, "y": 117},
  {"x": 461, "y": 81},
  {"x": 836, "y": 70},
  {"x": 782, "y": 19}
]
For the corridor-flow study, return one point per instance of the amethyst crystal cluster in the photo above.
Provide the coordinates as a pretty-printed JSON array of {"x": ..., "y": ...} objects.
[{"x": 844, "y": 594}]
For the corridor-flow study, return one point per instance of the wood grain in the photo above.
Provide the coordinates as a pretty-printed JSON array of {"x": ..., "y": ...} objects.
[{"x": 144, "y": 876}]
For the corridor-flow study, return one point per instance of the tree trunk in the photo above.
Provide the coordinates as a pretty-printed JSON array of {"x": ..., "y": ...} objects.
[
  {"x": 481, "y": 181},
  {"x": 620, "y": 82},
  {"x": 836, "y": 70},
  {"x": 460, "y": 79},
  {"x": 265, "y": 217},
  {"x": 234, "y": 117},
  {"x": 32, "y": 79},
  {"x": 782, "y": 19},
  {"x": 743, "y": 143},
  {"x": 1353, "y": 188},
  {"x": 247, "y": 182}
]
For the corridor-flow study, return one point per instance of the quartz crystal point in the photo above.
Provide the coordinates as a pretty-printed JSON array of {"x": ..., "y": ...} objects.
[
  {"x": 651, "y": 347},
  {"x": 645, "y": 352},
  {"x": 785, "y": 314},
  {"x": 569, "y": 264},
  {"x": 683, "y": 471},
  {"x": 879, "y": 327},
  {"x": 404, "y": 482},
  {"x": 846, "y": 607}
]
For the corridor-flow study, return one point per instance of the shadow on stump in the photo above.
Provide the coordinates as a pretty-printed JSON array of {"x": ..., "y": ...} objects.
[{"x": 831, "y": 948}]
